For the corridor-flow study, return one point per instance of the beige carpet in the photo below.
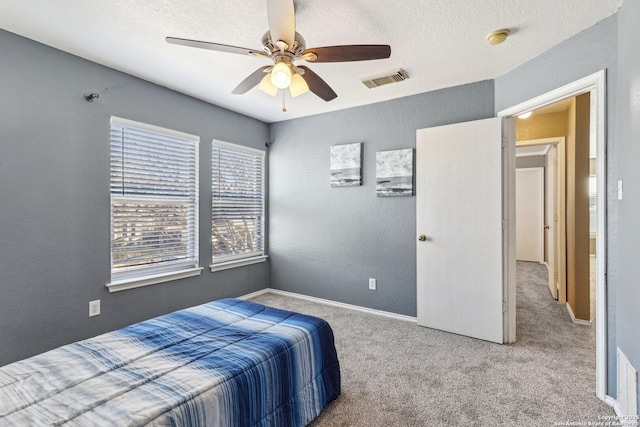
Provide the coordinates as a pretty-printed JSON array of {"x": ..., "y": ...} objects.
[{"x": 395, "y": 373}]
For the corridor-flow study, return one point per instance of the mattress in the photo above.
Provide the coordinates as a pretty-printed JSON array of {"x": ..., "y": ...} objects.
[{"x": 225, "y": 363}]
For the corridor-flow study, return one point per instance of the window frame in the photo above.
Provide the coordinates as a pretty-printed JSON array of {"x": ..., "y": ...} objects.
[
  {"x": 134, "y": 276},
  {"x": 244, "y": 259}
]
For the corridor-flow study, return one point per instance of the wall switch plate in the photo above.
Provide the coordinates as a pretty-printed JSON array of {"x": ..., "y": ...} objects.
[
  {"x": 94, "y": 308},
  {"x": 619, "y": 189},
  {"x": 372, "y": 284}
]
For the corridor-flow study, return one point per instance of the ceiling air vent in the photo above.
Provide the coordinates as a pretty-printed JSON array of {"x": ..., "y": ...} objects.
[{"x": 394, "y": 76}]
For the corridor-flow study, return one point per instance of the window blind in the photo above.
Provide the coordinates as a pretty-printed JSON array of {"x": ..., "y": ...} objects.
[
  {"x": 154, "y": 200},
  {"x": 237, "y": 208}
]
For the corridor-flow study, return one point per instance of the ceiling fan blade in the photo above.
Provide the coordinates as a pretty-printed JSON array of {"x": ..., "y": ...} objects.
[
  {"x": 251, "y": 81},
  {"x": 317, "y": 85},
  {"x": 215, "y": 46},
  {"x": 349, "y": 53},
  {"x": 282, "y": 20}
]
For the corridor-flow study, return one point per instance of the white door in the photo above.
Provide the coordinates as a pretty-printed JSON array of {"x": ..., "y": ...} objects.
[
  {"x": 551, "y": 182},
  {"x": 530, "y": 214},
  {"x": 459, "y": 223}
]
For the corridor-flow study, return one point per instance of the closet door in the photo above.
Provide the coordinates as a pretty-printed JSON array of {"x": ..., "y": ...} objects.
[{"x": 530, "y": 214}]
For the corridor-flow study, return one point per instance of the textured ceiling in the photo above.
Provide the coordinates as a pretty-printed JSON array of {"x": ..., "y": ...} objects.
[{"x": 439, "y": 43}]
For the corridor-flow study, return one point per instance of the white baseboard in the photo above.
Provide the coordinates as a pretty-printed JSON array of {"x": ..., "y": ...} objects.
[
  {"x": 615, "y": 405},
  {"x": 255, "y": 294},
  {"x": 617, "y": 409},
  {"x": 573, "y": 318},
  {"x": 331, "y": 303},
  {"x": 612, "y": 402}
]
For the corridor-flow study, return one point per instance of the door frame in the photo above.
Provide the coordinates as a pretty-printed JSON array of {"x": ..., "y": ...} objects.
[
  {"x": 560, "y": 208},
  {"x": 596, "y": 85}
]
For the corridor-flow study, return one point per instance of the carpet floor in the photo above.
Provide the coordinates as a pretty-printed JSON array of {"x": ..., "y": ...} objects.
[{"x": 395, "y": 373}]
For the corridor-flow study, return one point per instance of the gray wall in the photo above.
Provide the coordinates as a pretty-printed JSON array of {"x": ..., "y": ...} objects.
[
  {"x": 54, "y": 197},
  {"x": 586, "y": 53},
  {"x": 628, "y": 153},
  {"x": 327, "y": 242},
  {"x": 531, "y": 162}
]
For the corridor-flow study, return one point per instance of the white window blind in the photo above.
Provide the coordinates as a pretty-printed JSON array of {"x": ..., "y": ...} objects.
[
  {"x": 238, "y": 202},
  {"x": 154, "y": 200}
]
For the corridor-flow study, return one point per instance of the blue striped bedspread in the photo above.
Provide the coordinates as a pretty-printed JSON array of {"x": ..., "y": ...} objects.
[{"x": 225, "y": 363}]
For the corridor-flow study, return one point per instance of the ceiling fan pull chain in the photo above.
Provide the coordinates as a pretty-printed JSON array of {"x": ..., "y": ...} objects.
[{"x": 284, "y": 107}]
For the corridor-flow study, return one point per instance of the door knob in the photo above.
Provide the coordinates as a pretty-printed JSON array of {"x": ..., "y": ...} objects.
[{"x": 422, "y": 237}]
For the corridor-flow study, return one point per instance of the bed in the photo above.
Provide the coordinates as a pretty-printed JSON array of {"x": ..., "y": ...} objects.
[{"x": 225, "y": 363}]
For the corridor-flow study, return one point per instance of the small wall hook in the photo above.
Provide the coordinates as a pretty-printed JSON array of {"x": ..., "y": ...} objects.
[{"x": 90, "y": 97}]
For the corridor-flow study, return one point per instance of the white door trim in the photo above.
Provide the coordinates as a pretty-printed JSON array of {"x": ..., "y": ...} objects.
[
  {"x": 596, "y": 84},
  {"x": 509, "y": 229}
]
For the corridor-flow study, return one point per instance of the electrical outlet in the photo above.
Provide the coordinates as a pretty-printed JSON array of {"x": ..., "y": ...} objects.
[
  {"x": 94, "y": 308},
  {"x": 372, "y": 284}
]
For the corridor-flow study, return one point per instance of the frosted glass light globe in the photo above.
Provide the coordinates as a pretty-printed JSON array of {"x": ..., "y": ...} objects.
[{"x": 281, "y": 75}]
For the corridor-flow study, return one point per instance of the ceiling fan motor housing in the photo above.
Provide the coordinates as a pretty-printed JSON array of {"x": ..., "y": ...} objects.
[{"x": 270, "y": 47}]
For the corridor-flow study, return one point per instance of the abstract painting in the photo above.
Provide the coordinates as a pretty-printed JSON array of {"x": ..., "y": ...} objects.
[
  {"x": 394, "y": 173},
  {"x": 345, "y": 165}
]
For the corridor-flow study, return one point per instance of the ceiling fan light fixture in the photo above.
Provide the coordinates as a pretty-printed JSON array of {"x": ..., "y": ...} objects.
[
  {"x": 298, "y": 86},
  {"x": 281, "y": 75},
  {"x": 267, "y": 87},
  {"x": 284, "y": 46}
]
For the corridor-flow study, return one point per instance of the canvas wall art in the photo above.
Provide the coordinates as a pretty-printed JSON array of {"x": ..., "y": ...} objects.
[
  {"x": 394, "y": 173},
  {"x": 345, "y": 165}
]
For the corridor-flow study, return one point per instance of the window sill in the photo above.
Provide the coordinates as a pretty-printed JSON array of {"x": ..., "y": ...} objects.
[
  {"x": 237, "y": 263},
  {"x": 123, "y": 285}
]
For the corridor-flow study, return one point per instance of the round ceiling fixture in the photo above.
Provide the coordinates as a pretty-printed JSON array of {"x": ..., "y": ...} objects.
[{"x": 497, "y": 36}]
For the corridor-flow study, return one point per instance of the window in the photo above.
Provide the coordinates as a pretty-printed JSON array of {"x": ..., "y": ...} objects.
[
  {"x": 237, "y": 206},
  {"x": 154, "y": 205}
]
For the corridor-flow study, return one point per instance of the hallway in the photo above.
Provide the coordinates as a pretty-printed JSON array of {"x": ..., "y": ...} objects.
[{"x": 545, "y": 325}]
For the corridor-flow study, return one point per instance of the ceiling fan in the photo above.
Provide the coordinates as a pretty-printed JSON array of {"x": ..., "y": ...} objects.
[{"x": 283, "y": 45}]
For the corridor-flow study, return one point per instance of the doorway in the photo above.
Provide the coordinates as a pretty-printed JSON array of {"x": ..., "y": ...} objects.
[
  {"x": 550, "y": 154},
  {"x": 570, "y": 119},
  {"x": 595, "y": 86}
]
